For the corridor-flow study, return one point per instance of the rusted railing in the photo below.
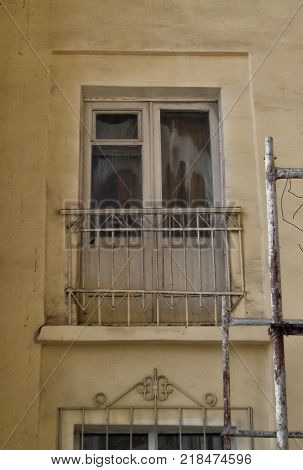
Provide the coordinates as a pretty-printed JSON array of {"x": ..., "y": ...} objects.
[{"x": 152, "y": 266}]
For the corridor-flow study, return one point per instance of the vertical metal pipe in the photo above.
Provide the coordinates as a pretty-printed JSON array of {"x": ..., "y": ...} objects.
[
  {"x": 107, "y": 428},
  {"x": 128, "y": 310},
  {"x": 82, "y": 429},
  {"x": 70, "y": 308},
  {"x": 226, "y": 373},
  {"x": 204, "y": 427},
  {"x": 180, "y": 428},
  {"x": 131, "y": 428},
  {"x": 276, "y": 297},
  {"x": 59, "y": 429}
]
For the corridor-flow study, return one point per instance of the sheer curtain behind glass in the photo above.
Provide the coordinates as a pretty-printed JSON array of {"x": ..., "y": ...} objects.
[
  {"x": 116, "y": 171},
  {"x": 186, "y": 160}
]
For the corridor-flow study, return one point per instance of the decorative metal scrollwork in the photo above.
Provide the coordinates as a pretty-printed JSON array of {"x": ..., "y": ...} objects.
[
  {"x": 100, "y": 399},
  {"x": 155, "y": 387},
  {"x": 158, "y": 388},
  {"x": 209, "y": 399}
]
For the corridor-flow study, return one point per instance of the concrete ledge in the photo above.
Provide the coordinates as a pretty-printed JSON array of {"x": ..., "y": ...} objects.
[{"x": 105, "y": 334}]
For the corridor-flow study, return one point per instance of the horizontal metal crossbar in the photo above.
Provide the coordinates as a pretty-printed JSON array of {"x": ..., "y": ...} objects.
[
  {"x": 260, "y": 434},
  {"x": 288, "y": 327},
  {"x": 289, "y": 173}
]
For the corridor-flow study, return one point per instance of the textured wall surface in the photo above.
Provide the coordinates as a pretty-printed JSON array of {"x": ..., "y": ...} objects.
[{"x": 252, "y": 51}]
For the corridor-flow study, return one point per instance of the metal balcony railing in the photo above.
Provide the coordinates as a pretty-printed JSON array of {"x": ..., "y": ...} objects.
[{"x": 152, "y": 266}]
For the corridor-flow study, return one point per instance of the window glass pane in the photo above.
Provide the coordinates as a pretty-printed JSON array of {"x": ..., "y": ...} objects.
[
  {"x": 115, "y": 441},
  {"x": 116, "y": 178},
  {"x": 118, "y": 441},
  {"x": 168, "y": 441},
  {"x": 94, "y": 442},
  {"x": 116, "y": 126},
  {"x": 215, "y": 442},
  {"x": 140, "y": 442},
  {"x": 192, "y": 441},
  {"x": 186, "y": 159}
]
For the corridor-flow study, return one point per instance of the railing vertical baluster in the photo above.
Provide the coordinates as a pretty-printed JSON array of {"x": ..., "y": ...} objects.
[
  {"x": 171, "y": 261},
  {"x": 226, "y": 257},
  {"x": 99, "y": 222},
  {"x": 157, "y": 269},
  {"x": 128, "y": 271},
  {"x": 214, "y": 274},
  {"x": 200, "y": 260},
  {"x": 185, "y": 266},
  {"x": 127, "y": 253},
  {"x": 69, "y": 250},
  {"x": 113, "y": 261},
  {"x": 241, "y": 254},
  {"x": 143, "y": 241},
  {"x": 84, "y": 240},
  {"x": 70, "y": 307},
  {"x": 158, "y": 309}
]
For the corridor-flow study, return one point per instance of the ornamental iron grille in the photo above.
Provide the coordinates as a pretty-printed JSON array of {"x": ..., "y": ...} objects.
[{"x": 151, "y": 405}]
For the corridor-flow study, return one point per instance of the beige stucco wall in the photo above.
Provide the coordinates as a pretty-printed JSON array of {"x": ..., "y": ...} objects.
[{"x": 231, "y": 45}]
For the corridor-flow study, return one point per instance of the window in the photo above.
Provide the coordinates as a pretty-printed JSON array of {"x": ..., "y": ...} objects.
[
  {"x": 152, "y": 413},
  {"x": 152, "y": 155},
  {"x": 155, "y": 438}
]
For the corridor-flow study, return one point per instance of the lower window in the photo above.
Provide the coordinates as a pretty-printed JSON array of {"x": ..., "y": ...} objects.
[{"x": 156, "y": 438}]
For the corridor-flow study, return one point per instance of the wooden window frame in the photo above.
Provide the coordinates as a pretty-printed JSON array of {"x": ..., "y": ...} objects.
[{"x": 149, "y": 138}]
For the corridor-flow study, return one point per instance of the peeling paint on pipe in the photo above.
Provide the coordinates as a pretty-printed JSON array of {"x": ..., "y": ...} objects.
[
  {"x": 276, "y": 297},
  {"x": 226, "y": 372}
]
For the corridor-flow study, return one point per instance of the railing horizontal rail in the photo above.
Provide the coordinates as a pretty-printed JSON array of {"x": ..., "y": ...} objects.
[
  {"x": 139, "y": 211},
  {"x": 160, "y": 292},
  {"x": 159, "y": 229}
]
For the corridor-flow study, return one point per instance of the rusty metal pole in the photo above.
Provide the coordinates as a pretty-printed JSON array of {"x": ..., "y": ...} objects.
[
  {"x": 276, "y": 297},
  {"x": 226, "y": 372}
]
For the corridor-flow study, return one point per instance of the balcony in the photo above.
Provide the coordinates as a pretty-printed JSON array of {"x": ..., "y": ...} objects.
[{"x": 156, "y": 267}]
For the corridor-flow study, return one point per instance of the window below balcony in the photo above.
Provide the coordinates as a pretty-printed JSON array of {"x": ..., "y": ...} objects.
[
  {"x": 149, "y": 438},
  {"x": 151, "y": 243},
  {"x": 153, "y": 413}
]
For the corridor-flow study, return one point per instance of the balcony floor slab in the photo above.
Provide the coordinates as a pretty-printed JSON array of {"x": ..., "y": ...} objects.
[{"x": 108, "y": 334}]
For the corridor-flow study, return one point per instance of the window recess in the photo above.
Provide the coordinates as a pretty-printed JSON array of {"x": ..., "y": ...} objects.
[{"x": 155, "y": 246}]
